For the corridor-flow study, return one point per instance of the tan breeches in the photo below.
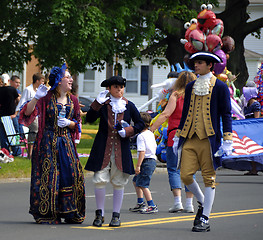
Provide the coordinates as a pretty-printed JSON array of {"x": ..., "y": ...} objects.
[{"x": 196, "y": 154}]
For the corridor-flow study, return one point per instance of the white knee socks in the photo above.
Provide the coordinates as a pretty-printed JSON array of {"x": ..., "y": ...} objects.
[
  {"x": 117, "y": 199},
  {"x": 195, "y": 189},
  {"x": 100, "y": 198},
  {"x": 209, "y": 200}
]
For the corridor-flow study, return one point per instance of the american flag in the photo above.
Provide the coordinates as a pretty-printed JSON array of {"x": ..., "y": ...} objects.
[
  {"x": 245, "y": 146},
  {"x": 248, "y": 145}
]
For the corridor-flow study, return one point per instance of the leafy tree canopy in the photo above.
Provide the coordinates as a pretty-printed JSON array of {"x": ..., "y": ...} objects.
[{"x": 86, "y": 32}]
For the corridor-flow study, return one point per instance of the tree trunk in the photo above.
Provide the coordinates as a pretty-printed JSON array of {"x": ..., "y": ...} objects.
[
  {"x": 235, "y": 18},
  {"x": 175, "y": 51},
  {"x": 237, "y": 64}
]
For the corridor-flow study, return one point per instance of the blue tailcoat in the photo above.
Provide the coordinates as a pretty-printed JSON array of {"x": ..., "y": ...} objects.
[{"x": 217, "y": 110}]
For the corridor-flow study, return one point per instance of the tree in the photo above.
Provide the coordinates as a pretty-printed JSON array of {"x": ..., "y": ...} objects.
[
  {"x": 85, "y": 32},
  {"x": 14, "y": 43}
]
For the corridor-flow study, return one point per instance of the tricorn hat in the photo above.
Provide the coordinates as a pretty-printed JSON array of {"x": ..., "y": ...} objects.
[
  {"x": 113, "y": 80},
  {"x": 206, "y": 56}
]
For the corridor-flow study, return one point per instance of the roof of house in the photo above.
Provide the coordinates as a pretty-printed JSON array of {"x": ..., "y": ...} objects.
[{"x": 252, "y": 55}]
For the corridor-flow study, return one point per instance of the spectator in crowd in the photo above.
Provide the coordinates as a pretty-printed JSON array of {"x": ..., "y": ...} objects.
[
  {"x": 15, "y": 82},
  {"x": 6, "y": 79},
  {"x": 28, "y": 94},
  {"x": 1, "y": 81},
  {"x": 252, "y": 109},
  {"x": 8, "y": 101},
  {"x": 173, "y": 112}
]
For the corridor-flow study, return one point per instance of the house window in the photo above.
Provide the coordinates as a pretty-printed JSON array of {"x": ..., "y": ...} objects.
[
  {"x": 144, "y": 80},
  {"x": 89, "y": 81},
  {"x": 132, "y": 80}
]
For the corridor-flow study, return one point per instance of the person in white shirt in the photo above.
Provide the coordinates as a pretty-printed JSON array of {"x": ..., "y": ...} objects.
[
  {"x": 27, "y": 95},
  {"x": 146, "y": 149}
]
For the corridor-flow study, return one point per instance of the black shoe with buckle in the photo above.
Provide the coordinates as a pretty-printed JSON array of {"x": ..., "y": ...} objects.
[
  {"x": 203, "y": 226},
  {"x": 198, "y": 214},
  {"x": 99, "y": 219},
  {"x": 115, "y": 221}
]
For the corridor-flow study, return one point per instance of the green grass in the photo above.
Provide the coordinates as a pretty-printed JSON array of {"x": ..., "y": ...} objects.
[{"x": 21, "y": 167}]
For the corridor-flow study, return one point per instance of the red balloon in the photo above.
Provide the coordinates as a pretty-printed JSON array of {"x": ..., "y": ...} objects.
[{"x": 213, "y": 43}]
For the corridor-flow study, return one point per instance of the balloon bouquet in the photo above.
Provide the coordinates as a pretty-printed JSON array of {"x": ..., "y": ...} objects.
[{"x": 205, "y": 34}]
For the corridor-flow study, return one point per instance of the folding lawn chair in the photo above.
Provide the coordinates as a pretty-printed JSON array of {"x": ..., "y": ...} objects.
[{"x": 13, "y": 138}]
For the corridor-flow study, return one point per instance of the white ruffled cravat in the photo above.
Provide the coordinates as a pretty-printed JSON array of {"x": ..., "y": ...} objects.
[
  {"x": 118, "y": 105},
  {"x": 202, "y": 83}
]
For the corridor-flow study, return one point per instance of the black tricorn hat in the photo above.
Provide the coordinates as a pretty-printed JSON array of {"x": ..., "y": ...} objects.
[
  {"x": 206, "y": 56},
  {"x": 113, "y": 80}
]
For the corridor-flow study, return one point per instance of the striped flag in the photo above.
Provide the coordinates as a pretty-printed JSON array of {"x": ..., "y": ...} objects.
[
  {"x": 248, "y": 145},
  {"x": 245, "y": 146}
]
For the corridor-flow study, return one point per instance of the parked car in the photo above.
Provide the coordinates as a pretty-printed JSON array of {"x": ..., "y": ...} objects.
[{"x": 86, "y": 101}]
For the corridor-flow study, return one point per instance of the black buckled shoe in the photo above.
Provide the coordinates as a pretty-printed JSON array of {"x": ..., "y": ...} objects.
[
  {"x": 203, "y": 226},
  {"x": 198, "y": 214},
  {"x": 115, "y": 221},
  {"x": 99, "y": 219}
]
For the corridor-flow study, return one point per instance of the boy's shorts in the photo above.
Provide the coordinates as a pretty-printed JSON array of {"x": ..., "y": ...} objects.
[{"x": 147, "y": 168}]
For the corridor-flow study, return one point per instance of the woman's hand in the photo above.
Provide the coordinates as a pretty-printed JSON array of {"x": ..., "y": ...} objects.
[
  {"x": 63, "y": 122},
  {"x": 41, "y": 91}
]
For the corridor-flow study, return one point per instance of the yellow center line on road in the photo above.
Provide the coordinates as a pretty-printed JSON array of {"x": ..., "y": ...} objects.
[{"x": 174, "y": 219}]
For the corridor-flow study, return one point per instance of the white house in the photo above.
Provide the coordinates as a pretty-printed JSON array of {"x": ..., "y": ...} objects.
[{"x": 139, "y": 80}]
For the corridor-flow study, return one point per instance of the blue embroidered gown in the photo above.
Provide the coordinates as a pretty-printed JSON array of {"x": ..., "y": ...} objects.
[{"x": 57, "y": 181}]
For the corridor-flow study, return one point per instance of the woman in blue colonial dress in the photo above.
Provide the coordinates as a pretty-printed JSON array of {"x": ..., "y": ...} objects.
[{"x": 57, "y": 181}]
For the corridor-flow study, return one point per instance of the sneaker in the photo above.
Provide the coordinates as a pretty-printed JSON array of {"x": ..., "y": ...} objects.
[
  {"x": 150, "y": 209},
  {"x": 138, "y": 207},
  {"x": 189, "y": 209},
  {"x": 176, "y": 208}
]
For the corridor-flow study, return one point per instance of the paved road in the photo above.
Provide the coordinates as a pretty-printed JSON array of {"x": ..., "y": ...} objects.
[{"x": 237, "y": 213}]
